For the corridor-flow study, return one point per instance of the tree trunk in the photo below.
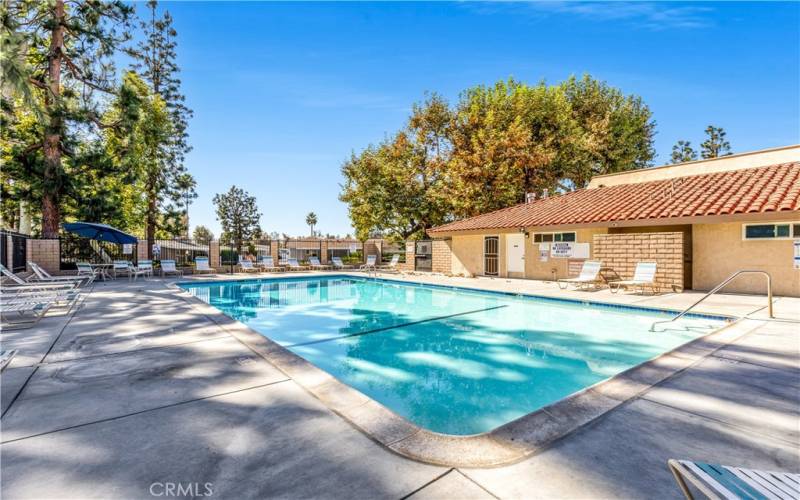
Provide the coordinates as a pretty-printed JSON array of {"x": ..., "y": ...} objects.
[
  {"x": 51, "y": 213},
  {"x": 150, "y": 230}
]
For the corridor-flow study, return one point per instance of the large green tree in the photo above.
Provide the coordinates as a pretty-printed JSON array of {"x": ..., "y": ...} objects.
[
  {"x": 202, "y": 233},
  {"x": 395, "y": 188},
  {"x": 495, "y": 145},
  {"x": 167, "y": 184},
  {"x": 68, "y": 55},
  {"x": 715, "y": 144},
  {"x": 238, "y": 214}
]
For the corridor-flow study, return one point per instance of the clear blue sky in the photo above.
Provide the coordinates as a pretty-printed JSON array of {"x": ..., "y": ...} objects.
[{"x": 283, "y": 92}]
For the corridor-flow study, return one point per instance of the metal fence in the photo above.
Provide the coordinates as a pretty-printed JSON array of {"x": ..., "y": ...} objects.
[
  {"x": 13, "y": 250},
  {"x": 299, "y": 249},
  {"x": 351, "y": 252},
  {"x": 230, "y": 253},
  {"x": 182, "y": 250},
  {"x": 389, "y": 250},
  {"x": 74, "y": 249}
]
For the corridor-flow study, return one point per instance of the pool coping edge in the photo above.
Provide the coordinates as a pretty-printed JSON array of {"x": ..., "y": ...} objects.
[{"x": 509, "y": 443}]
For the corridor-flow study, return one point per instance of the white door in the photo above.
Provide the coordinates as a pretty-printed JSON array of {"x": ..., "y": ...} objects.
[{"x": 515, "y": 253}]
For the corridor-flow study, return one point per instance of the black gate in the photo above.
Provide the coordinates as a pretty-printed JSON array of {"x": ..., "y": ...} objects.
[
  {"x": 74, "y": 249},
  {"x": 19, "y": 250},
  {"x": 423, "y": 255}
]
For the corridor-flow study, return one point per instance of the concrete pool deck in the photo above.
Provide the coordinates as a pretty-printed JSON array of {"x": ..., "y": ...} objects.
[{"x": 138, "y": 389}]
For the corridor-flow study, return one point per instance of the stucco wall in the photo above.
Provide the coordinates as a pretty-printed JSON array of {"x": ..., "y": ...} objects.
[
  {"x": 719, "y": 251},
  {"x": 467, "y": 256},
  {"x": 536, "y": 269}
]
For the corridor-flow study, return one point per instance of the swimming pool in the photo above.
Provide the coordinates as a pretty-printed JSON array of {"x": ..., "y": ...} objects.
[{"x": 450, "y": 360}]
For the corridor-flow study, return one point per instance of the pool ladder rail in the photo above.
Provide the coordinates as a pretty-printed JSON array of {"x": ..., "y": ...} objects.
[{"x": 718, "y": 288}]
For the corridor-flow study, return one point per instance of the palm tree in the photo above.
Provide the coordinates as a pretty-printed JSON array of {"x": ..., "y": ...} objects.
[{"x": 311, "y": 220}]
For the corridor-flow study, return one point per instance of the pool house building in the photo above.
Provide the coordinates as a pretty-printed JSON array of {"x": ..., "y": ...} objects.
[{"x": 700, "y": 221}]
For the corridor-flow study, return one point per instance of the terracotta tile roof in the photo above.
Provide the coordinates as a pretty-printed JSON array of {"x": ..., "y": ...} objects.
[{"x": 774, "y": 188}]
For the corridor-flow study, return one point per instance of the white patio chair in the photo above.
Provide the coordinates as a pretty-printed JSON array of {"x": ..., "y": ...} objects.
[
  {"x": 86, "y": 270},
  {"x": 316, "y": 264},
  {"x": 20, "y": 284},
  {"x": 338, "y": 264},
  {"x": 295, "y": 266},
  {"x": 267, "y": 263},
  {"x": 146, "y": 265},
  {"x": 201, "y": 265},
  {"x": 247, "y": 266},
  {"x": 168, "y": 267},
  {"x": 643, "y": 276},
  {"x": 589, "y": 276},
  {"x": 392, "y": 265},
  {"x": 134, "y": 273},
  {"x": 119, "y": 267},
  {"x": 370, "y": 264}
]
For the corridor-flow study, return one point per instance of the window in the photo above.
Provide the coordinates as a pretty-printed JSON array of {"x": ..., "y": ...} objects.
[
  {"x": 777, "y": 231},
  {"x": 548, "y": 237}
]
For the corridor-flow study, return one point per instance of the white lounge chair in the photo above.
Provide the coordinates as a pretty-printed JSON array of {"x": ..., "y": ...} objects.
[
  {"x": 267, "y": 263},
  {"x": 643, "y": 276},
  {"x": 295, "y": 266},
  {"x": 20, "y": 284},
  {"x": 23, "y": 315},
  {"x": 589, "y": 276},
  {"x": 338, "y": 264},
  {"x": 392, "y": 265},
  {"x": 201, "y": 265},
  {"x": 40, "y": 274},
  {"x": 147, "y": 266},
  {"x": 316, "y": 264},
  {"x": 21, "y": 295},
  {"x": 369, "y": 265},
  {"x": 168, "y": 267},
  {"x": 724, "y": 481},
  {"x": 247, "y": 266}
]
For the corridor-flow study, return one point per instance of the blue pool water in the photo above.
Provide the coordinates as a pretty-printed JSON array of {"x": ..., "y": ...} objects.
[{"x": 450, "y": 360}]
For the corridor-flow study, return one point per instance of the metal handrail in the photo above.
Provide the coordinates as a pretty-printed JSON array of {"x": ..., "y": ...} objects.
[{"x": 718, "y": 288}]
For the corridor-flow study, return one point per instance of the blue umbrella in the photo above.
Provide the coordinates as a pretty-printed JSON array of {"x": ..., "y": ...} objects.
[{"x": 102, "y": 232}]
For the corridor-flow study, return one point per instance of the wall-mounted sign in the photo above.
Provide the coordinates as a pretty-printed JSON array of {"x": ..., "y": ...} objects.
[
  {"x": 544, "y": 251},
  {"x": 797, "y": 254},
  {"x": 561, "y": 249},
  {"x": 127, "y": 248},
  {"x": 569, "y": 250}
]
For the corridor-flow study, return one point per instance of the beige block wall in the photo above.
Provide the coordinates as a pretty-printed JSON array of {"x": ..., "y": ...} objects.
[
  {"x": 536, "y": 269},
  {"x": 720, "y": 251},
  {"x": 622, "y": 251},
  {"x": 442, "y": 256},
  {"x": 408, "y": 265},
  {"x": 46, "y": 253}
]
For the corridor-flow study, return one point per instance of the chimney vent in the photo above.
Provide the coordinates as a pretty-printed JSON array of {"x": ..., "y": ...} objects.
[
  {"x": 544, "y": 193},
  {"x": 530, "y": 197}
]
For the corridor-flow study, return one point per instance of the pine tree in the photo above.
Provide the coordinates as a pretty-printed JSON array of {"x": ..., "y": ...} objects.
[
  {"x": 682, "y": 151},
  {"x": 167, "y": 184},
  {"x": 68, "y": 60},
  {"x": 715, "y": 145},
  {"x": 238, "y": 215}
]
